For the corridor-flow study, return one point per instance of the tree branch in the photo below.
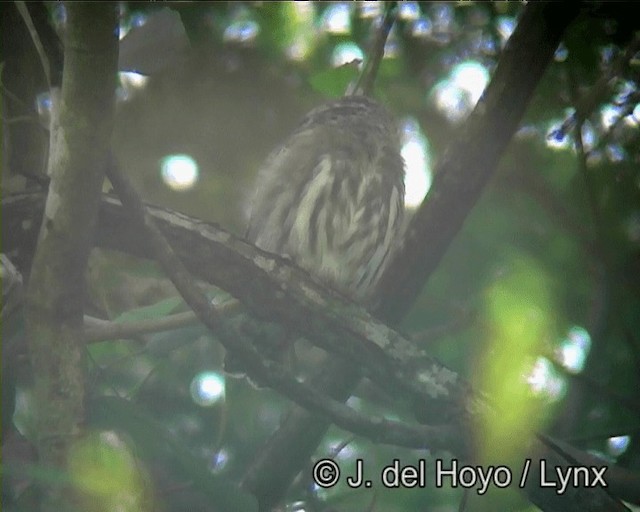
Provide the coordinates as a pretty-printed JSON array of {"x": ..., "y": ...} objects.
[
  {"x": 265, "y": 371},
  {"x": 277, "y": 290},
  {"x": 471, "y": 158},
  {"x": 464, "y": 169},
  {"x": 286, "y": 277},
  {"x": 212, "y": 253},
  {"x": 365, "y": 82}
]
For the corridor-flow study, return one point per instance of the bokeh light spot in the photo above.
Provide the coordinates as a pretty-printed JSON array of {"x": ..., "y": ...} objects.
[
  {"x": 408, "y": 10},
  {"x": 421, "y": 28},
  {"x": 636, "y": 114},
  {"x": 545, "y": 381},
  {"x": 615, "y": 153},
  {"x": 505, "y": 26},
  {"x": 219, "y": 460},
  {"x": 336, "y": 19},
  {"x": 457, "y": 95},
  {"x": 557, "y": 137},
  {"x": 574, "y": 349},
  {"x": 617, "y": 445},
  {"x": 415, "y": 152},
  {"x": 130, "y": 83},
  {"x": 344, "y": 53},
  {"x": 472, "y": 77},
  {"x": 207, "y": 388},
  {"x": 242, "y": 31},
  {"x": 561, "y": 54},
  {"x": 179, "y": 172},
  {"x": 370, "y": 9}
]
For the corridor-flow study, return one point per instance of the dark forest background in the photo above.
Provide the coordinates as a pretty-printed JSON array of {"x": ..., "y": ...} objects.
[{"x": 536, "y": 301}]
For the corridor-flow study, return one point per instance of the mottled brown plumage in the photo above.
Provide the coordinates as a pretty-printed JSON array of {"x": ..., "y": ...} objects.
[{"x": 332, "y": 196}]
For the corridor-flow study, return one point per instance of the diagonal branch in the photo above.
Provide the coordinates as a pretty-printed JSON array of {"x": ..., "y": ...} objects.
[
  {"x": 196, "y": 243},
  {"x": 469, "y": 161},
  {"x": 466, "y": 167},
  {"x": 265, "y": 371},
  {"x": 550, "y": 30},
  {"x": 271, "y": 287}
]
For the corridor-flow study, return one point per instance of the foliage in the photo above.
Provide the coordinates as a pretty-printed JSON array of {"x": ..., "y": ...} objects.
[{"x": 540, "y": 286}]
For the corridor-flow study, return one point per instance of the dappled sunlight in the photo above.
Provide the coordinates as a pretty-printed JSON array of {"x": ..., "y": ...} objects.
[
  {"x": 345, "y": 53},
  {"x": 589, "y": 136},
  {"x": 545, "y": 381},
  {"x": 242, "y": 31},
  {"x": 130, "y": 84},
  {"x": 442, "y": 15},
  {"x": 615, "y": 153},
  {"x": 336, "y": 19},
  {"x": 408, "y": 10},
  {"x": 557, "y": 137},
  {"x": 369, "y": 9},
  {"x": 457, "y": 95},
  {"x": 472, "y": 77},
  {"x": 609, "y": 114},
  {"x": 422, "y": 28},
  {"x": 520, "y": 269},
  {"x": 243, "y": 28},
  {"x": 417, "y": 161},
  {"x": 303, "y": 34},
  {"x": 135, "y": 20},
  {"x": 108, "y": 475},
  {"x": 634, "y": 119},
  {"x": 574, "y": 349},
  {"x": 520, "y": 314},
  {"x": 505, "y": 27}
]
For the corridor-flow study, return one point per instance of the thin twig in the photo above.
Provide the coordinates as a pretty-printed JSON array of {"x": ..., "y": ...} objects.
[
  {"x": 581, "y": 105},
  {"x": 367, "y": 77},
  {"x": 44, "y": 60},
  {"x": 102, "y": 330},
  {"x": 588, "y": 102}
]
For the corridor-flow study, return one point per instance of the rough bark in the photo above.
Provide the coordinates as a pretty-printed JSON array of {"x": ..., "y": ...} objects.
[{"x": 80, "y": 137}]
